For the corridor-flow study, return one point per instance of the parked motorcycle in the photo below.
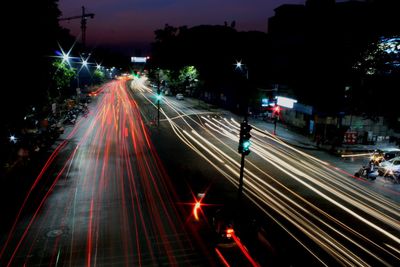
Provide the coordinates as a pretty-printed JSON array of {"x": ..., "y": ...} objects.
[{"x": 70, "y": 118}]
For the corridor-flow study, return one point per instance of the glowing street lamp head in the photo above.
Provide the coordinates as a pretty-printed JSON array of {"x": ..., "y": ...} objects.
[
  {"x": 98, "y": 66},
  {"x": 195, "y": 210},
  {"x": 13, "y": 139},
  {"x": 238, "y": 64},
  {"x": 84, "y": 63},
  {"x": 65, "y": 57}
]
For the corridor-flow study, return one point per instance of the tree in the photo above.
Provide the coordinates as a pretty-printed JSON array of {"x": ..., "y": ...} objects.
[
  {"x": 63, "y": 75},
  {"x": 381, "y": 58},
  {"x": 99, "y": 76},
  {"x": 33, "y": 39},
  {"x": 188, "y": 78},
  {"x": 378, "y": 73}
]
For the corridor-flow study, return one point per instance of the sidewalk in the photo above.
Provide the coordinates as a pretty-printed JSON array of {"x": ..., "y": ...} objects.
[
  {"x": 301, "y": 141},
  {"x": 293, "y": 138}
]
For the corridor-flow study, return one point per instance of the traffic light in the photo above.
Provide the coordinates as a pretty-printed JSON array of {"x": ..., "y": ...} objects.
[
  {"x": 277, "y": 110},
  {"x": 159, "y": 95},
  {"x": 244, "y": 140}
]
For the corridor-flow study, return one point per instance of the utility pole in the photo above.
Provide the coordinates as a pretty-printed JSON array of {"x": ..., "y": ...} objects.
[{"x": 83, "y": 18}]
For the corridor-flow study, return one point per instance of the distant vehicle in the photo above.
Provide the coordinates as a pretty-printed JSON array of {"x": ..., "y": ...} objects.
[
  {"x": 390, "y": 168},
  {"x": 383, "y": 155},
  {"x": 167, "y": 92},
  {"x": 391, "y": 153},
  {"x": 179, "y": 96}
]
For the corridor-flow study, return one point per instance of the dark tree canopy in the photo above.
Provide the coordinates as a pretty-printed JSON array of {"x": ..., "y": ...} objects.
[
  {"x": 29, "y": 44},
  {"x": 213, "y": 50}
]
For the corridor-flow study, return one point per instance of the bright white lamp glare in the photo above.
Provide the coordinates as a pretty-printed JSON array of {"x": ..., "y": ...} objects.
[
  {"x": 65, "y": 57},
  {"x": 13, "y": 139}
]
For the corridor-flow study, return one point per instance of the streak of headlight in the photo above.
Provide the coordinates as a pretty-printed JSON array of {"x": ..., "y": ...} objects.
[
  {"x": 202, "y": 146},
  {"x": 318, "y": 192},
  {"x": 387, "y": 203},
  {"x": 308, "y": 228},
  {"x": 233, "y": 171},
  {"x": 347, "y": 198},
  {"x": 300, "y": 151},
  {"x": 285, "y": 228},
  {"x": 185, "y": 141},
  {"x": 355, "y": 155},
  {"x": 284, "y": 200}
]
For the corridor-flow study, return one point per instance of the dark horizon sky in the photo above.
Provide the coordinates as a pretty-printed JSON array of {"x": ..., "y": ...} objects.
[{"x": 125, "y": 23}]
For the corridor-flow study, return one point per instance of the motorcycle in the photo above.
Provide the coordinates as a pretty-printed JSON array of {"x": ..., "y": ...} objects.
[
  {"x": 367, "y": 172},
  {"x": 70, "y": 118}
]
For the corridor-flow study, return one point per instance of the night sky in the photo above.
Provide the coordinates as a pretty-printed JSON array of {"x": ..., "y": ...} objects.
[{"x": 124, "y": 22}]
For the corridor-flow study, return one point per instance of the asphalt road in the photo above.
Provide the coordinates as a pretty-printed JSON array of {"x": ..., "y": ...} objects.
[
  {"x": 103, "y": 198},
  {"x": 322, "y": 215},
  {"x": 108, "y": 194}
]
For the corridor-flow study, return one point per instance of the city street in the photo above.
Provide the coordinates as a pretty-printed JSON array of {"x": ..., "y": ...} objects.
[
  {"x": 103, "y": 199},
  {"x": 201, "y": 133},
  {"x": 335, "y": 217}
]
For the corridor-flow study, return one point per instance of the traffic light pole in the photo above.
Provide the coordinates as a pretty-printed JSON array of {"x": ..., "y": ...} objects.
[
  {"x": 244, "y": 148},
  {"x": 275, "y": 120},
  {"x": 240, "y": 190},
  {"x": 158, "y": 112}
]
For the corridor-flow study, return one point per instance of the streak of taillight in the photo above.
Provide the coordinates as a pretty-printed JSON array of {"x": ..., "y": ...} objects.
[
  {"x": 244, "y": 251},
  {"x": 89, "y": 236},
  {"x": 222, "y": 258}
]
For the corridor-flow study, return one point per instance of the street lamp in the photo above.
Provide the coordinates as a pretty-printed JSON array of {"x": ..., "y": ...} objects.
[
  {"x": 241, "y": 66},
  {"x": 84, "y": 64},
  {"x": 65, "y": 58},
  {"x": 13, "y": 139}
]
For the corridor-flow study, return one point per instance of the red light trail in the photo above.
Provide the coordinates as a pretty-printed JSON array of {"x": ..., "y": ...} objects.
[{"x": 112, "y": 194}]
